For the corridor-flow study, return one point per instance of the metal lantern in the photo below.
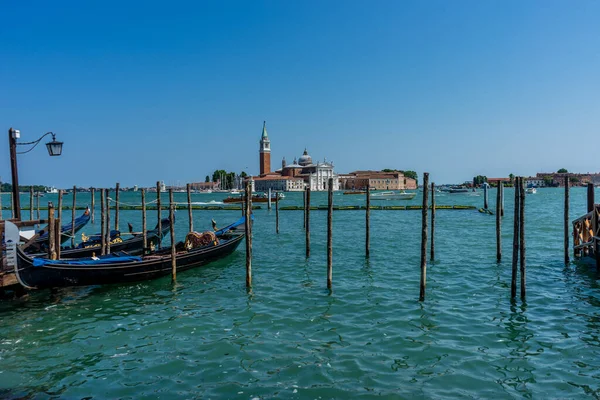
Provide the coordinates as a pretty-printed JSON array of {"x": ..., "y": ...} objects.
[{"x": 54, "y": 147}]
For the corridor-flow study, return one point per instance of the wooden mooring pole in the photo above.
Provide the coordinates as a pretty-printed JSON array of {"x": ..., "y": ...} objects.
[
  {"x": 93, "y": 203},
  {"x": 277, "y": 214},
  {"x": 59, "y": 222},
  {"x": 515, "y": 254},
  {"x": 329, "y": 233},
  {"x": 51, "y": 232},
  {"x": 368, "y": 222},
  {"x": 248, "y": 226},
  {"x": 158, "y": 206},
  {"x": 117, "y": 190},
  {"x": 37, "y": 205},
  {"x": 566, "y": 220},
  {"x": 423, "y": 281},
  {"x": 499, "y": 222},
  {"x": 432, "y": 255},
  {"x": 102, "y": 223},
  {"x": 189, "y": 201},
  {"x": 108, "y": 238},
  {"x": 485, "y": 196},
  {"x": 144, "y": 233},
  {"x": 522, "y": 238},
  {"x": 73, "y": 217},
  {"x": 307, "y": 221},
  {"x": 31, "y": 203},
  {"x": 304, "y": 203},
  {"x": 172, "y": 229},
  {"x": 502, "y": 199},
  {"x": 590, "y": 197}
]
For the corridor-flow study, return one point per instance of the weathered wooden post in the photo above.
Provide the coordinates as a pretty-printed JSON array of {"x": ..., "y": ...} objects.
[
  {"x": 31, "y": 203},
  {"x": 502, "y": 200},
  {"x": 158, "y": 207},
  {"x": 522, "y": 238},
  {"x": 12, "y": 207},
  {"x": 566, "y": 219},
  {"x": 423, "y": 282},
  {"x": 329, "y": 232},
  {"x": 515, "y": 255},
  {"x": 51, "y": 232},
  {"x": 172, "y": 228},
  {"x": 37, "y": 203},
  {"x": 102, "y": 223},
  {"x": 499, "y": 222},
  {"x": 269, "y": 200},
  {"x": 277, "y": 214},
  {"x": 117, "y": 189},
  {"x": 432, "y": 221},
  {"x": 73, "y": 217},
  {"x": 590, "y": 197},
  {"x": 108, "y": 237},
  {"x": 368, "y": 222},
  {"x": 485, "y": 195},
  {"x": 59, "y": 236},
  {"x": 93, "y": 203},
  {"x": 307, "y": 221},
  {"x": 190, "y": 215},
  {"x": 304, "y": 204},
  {"x": 144, "y": 233},
  {"x": 57, "y": 230},
  {"x": 248, "y": 226}
]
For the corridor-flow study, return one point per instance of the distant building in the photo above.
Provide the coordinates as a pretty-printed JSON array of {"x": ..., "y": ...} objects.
[
  {"x": 378, "y": 180},
  {"x": 293, "y": 177}
]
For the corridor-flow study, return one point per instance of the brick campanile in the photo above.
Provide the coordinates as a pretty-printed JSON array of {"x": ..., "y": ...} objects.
[{"x": 265, "y": 151}]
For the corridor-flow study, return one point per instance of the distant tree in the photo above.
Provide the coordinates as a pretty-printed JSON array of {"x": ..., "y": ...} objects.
[
  {"x": 562, "y": 171},
  {"x": 218, "y": 175},
  {"x": 479, "y": 179},
  {"x": 512, "y": 178},
  {"x": 207, "y": 179},
  {"x": 243, "y": 174},
  {"x": 548, "y": 181},
  {"x": 388, "y": 170},
  {"x": 411, "y": 174}
]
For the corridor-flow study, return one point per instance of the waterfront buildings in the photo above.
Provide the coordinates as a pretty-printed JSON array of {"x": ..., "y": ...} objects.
[
  {"x": 293, "y": 177},
  {"x": 378, "y": 180}
]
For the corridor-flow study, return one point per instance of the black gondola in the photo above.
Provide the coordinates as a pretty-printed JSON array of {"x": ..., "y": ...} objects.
[
  {"x": 120, "y": 268},
  {"x": 65, "y": 229},
  {"x": 132, "y": 246}
]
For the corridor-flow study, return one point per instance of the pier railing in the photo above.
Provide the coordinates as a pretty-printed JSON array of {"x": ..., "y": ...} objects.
[{"x": 586, "y": 233}]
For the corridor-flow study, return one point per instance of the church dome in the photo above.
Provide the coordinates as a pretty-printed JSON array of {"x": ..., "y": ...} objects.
[{"x": 305, "y": 159}]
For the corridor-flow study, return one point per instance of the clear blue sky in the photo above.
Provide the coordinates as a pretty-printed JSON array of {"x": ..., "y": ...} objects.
[{"x": 146, "y": 91}]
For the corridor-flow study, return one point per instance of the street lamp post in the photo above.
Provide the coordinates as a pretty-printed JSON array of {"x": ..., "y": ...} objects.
[{"x": 54, "y": 149}]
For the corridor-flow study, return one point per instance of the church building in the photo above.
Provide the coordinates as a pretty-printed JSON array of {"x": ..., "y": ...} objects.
[{"x": 300, "y": 174}]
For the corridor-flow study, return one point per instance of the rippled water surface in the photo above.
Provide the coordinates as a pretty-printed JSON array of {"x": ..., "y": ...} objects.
[{"x": 208, "y": 337}]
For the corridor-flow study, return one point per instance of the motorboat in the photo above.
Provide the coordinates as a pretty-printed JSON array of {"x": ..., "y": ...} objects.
[
  {"x": 391, "y": 195},
  {"x": 531, "y": 190}
]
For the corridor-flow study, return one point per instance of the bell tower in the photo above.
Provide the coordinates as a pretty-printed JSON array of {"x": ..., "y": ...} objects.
[{"x": 265, "y": 151}]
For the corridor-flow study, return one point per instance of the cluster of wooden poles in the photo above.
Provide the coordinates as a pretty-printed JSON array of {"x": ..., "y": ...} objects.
[{"x": 518, "y": 256}]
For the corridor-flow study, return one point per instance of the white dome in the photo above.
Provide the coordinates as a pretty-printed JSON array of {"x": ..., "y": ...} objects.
[{"x": 305, "y": 159}]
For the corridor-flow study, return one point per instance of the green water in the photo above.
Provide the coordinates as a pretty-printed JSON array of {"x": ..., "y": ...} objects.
[{"x": 289, "y": 337}]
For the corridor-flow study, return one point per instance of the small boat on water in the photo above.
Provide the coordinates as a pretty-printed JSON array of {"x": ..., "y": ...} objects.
[
  {"x": 52, "y": 190},
  {"x": 39, "y": 273},
  {"x": 392, "y": 195},
  {"x": 355, "y": 192},
  {"x": 458, "y": 189},
  {"x": 257, "y": 198},
  {"x": 531, "y": 190}
]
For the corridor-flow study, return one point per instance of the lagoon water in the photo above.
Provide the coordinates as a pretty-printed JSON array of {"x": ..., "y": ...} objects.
[{"x": 208, "y": 337}]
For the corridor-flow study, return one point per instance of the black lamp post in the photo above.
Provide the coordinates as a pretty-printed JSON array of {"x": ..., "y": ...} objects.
[{"x": 54, "y": 149}]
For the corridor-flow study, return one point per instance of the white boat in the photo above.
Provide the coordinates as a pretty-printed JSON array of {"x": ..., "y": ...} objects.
[
  {"x": 234, "y": 191},
  {"x": 52, "y": 190},
  {"x": 392, "y": 195},
  {"x": 531, "y": 190}
]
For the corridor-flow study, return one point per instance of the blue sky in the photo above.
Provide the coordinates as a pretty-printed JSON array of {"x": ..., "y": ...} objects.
[{"x": 147, "y": 91}]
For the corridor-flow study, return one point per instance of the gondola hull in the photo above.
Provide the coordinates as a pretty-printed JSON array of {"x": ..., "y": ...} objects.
[
  {"x": 133, "y": 246},
  {"x": 151, "y": 267}
]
